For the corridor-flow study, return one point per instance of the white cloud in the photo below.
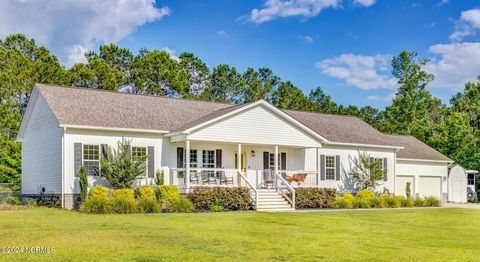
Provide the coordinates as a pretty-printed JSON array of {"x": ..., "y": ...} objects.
[
  {"x": 172, "y": 53},
  {"x": 68, "y": 27},
  {"x": 454, "y": 64},
  {"x": 76, "y": 54},
  {"x": 286, "y": 8},
  {"x": 306, "y": 39},
  {"x": 365, "y": 3},
  {"x": 364, "y": 72},
  {"x": 386, "y": 98},
  {"x": 468, "y": 25},
  {"x": 222, "y": 34},
  {"x": 443, "y": 2},
  {"x": 274, "y": 9}
]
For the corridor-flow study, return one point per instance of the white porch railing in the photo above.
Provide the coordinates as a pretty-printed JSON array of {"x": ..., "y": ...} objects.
[
  {"x": 295, "y": 178},
  {"x": 203, "y": 177},
  {"x": 285, "y": 189}
]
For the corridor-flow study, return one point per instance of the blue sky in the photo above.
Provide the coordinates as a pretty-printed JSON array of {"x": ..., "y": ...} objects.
[{"x": 343, "y": 46}]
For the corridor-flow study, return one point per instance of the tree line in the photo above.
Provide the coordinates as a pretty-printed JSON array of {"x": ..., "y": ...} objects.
[{"x": 451, "y": 129}]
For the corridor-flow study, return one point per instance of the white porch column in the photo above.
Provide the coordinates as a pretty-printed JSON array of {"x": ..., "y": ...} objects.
[
  {"x": 239, "y": 158},
  {"x": 187, "y": 165},
  {"x": 275, "y": 160},
  {"x": 318, "y": 166}
]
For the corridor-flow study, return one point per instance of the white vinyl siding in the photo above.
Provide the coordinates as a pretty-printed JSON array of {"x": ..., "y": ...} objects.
[
  {"x": 41, "y": 150},
  {"x": 257, "y": 125},
  {"x": 110, "y": 138}
]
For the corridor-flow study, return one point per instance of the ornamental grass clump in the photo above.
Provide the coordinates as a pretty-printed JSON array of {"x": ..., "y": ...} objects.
[
  {"x": 97, "y": 202},
  {"x": 146, "y": 200},
  {"x": 431, "y": 201},
  {"x": 123, "y": 201}
]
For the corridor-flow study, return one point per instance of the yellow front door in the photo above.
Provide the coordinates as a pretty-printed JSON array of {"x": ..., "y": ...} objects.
[{"x": 243, "y": 161}]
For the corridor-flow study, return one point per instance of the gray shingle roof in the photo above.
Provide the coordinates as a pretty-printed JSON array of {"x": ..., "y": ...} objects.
[
  {"x": 340, "y": 128},
  {"x": 415, "y": 149},
  {"x": 87, "y": 107}
]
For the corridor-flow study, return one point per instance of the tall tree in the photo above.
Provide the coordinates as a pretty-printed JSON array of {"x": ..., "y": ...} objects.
[
  {"x": 288, "y": 96},
  {"x": 321, "y": 101},
  {"x": 226, "y": 85},
  {"x": 198, "y": 73},
  {"x": 259, "y": 84}
]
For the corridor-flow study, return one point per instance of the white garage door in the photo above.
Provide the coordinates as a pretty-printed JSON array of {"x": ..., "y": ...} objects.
[
  {"x": 430, "y": 186},
  {"x": 401, "y": 185}
]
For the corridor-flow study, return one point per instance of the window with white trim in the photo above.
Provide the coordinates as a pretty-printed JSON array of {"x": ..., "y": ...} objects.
[
  {"x": 380, "y": 163},
  {"x": 208, "y": 158},
  {"x": 470, "y": 179},
  {"x": 193, "y": 158},
  {"x": 137, "y": 154},
  {"x": 91, "y": 159},
  {"x": 271, "y": 161},
  {"x": 330, "y": 167}
]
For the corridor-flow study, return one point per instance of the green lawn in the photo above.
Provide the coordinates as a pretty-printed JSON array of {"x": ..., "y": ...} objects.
[{"x": 393, "y": 235}]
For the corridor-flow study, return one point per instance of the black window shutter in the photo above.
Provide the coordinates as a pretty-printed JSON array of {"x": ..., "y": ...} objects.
[
  {"x": 77, "y": 156},
  {"x": 283, "y": 160},
  {"x": 372, "y": 160},
  {"x": 151, "y": 161},
  {"x": 385, "y": 169},
  {"x": 337, "y": 167},
  {"x": 180, "y": 162},
  {"x": 218, "y": 158},
  {"x": 104, "y": 151},
  {"x": 266, "y": 160},
  {"x": 322, "y": 167}
]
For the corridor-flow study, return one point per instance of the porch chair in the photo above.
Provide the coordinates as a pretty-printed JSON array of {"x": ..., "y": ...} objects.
[
  {"x": 193, "y": 178},
  {"x": 267, "y": 178},
  {"x": 224, "y": 179},
  {"x": 204, "y": 177}
]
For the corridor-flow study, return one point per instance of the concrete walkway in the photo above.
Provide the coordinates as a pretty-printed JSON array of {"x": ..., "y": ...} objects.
[{"x": 458, "y": 205}]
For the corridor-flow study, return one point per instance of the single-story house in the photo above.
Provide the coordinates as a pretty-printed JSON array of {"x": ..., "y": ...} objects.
[{"x": 272, "y": 151}]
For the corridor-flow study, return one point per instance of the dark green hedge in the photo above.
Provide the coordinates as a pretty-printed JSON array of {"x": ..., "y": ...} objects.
[
  {"x": 230, "y": 198},
  {"x": 306, "y": 197}
]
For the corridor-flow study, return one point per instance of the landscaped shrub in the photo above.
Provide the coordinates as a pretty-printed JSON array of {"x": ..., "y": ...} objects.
[
  {"x": 123, "y": 201},
  {"x": 215, "y": 206},
  {"x": 315, "y": 197},
  {"x": 431, "y": 201},
  {"x": 375, "y": 202},
  {"x": 230, "y": 198},
  {"x": 83, "y": 183},
  {"x": 146, "y": 200},
  {"x": 97, "y": 202},
  {"x": 407, "y": 202},
  {"x": 168, "y": 192},
  {"x": 389, "y": 201},
  {"x": 418, "y": 202},
  {"x": 345, "y": 201},
  {"x": 366, "y": 194},
  {"x": 181, "y": 205},
  {"x": 360, "y": 202}
]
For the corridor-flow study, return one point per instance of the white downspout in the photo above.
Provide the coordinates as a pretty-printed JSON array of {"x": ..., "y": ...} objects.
[{"x": 63, "y": 167}]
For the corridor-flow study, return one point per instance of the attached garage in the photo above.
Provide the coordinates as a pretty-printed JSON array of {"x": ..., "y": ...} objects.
[
  {"x": 430, "y": 186},
  {"x": 401, "y": 185}
]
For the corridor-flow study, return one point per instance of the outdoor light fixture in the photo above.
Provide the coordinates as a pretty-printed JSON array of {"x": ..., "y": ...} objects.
[{"x": 253, "y": 153}]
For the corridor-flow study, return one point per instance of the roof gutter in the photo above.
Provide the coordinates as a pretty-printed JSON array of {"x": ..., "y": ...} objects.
[
  {"x": 397, "y": 148},
  {"x": 426, "y": 160},
  {"x": 101, "y": 128}
]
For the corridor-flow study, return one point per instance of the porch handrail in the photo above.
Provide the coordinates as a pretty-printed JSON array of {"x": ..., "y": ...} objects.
[
  {"x": 287, "y": 186},
  {"x": 242, "y": 177}
]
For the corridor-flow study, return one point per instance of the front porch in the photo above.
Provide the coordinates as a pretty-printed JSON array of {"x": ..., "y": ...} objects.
[{"x": 257, "y": 166}]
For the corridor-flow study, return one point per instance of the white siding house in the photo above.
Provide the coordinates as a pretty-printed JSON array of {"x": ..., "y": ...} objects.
[{"x": 201, "y": 143}]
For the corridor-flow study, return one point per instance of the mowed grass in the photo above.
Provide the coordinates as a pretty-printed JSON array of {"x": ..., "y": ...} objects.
[{"x": 434, "y": 234}]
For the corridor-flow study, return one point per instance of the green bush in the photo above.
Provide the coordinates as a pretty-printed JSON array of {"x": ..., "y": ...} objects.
[
  {"x": 314, "y": 197},
  {"x": 230, "y": 198},
  {"x": 97, "y": 202},
  {"x": 181, "y": 205},
  {"x": 83, "y": 183},
  {"x": 366, "y": 194},
  {"x": 360, "y": 202},
  {"x": 345, "y": 201},
  {"x": 146, "y": 200},
  {"x": 418, "y": 202},
  {"x": 123, "y": 201},
  {"x": 168, "y": 192},
  {"x": 431, "y": 201},
  {"x": 375, "y": 202},
  {"x": 408, "y": 202},
  {"x": 215, "y": 206}
]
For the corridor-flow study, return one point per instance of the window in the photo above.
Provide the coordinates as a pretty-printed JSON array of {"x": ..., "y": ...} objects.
[
  {"x": 470, "y": 179},
  {"x": 193, "y": 158},
  {"x": 380, "y": 162},
  {"x": 330, "y": 167},
  {"x": 271, "y": 161},
  {"x": 137, "y": 154},
  {"x": 208, "y": 157},
  {"x": 91, "y": 159}
]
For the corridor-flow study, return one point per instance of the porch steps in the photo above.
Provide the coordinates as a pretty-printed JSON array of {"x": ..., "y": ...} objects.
[{"x": 270, "y": 200}]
